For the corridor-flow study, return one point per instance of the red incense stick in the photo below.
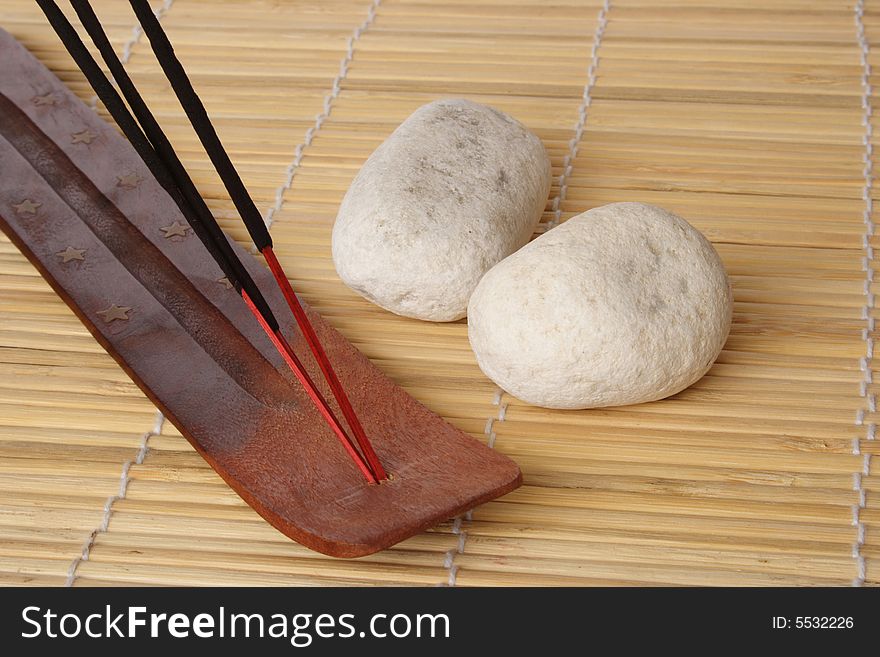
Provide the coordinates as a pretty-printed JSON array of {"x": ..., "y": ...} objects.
[
  {"x": 284, "y": 348},
  {"x": 198, "y": 116},
  {"x": 151, "y": 144},
  {"x": 324, "y": 363}
]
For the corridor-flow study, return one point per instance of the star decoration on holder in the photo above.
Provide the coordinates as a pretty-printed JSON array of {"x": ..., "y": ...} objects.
[
  {"x": 83, "y": 137},
  {"x": 129, "y": 180},
  {"x": 115, "y": 312},
  {"x": 225, "y": 283},
  {"x": 176, "y": 229},
  {"x": 45, "y": 99},
  {"x": 27, "y": 207},
  {"x": 71, "y": 253}
]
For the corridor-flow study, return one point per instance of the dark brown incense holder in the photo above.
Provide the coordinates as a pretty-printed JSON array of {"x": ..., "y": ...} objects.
[{"x": 82, "y": 206}]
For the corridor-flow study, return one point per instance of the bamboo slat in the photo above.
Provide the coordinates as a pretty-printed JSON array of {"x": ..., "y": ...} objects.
[{"x": 748, "y": 120}]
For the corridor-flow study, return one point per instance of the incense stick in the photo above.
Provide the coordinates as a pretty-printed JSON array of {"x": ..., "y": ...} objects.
[
  {"x": 198, "y": 116},
  {"x": 155, "y": 149},
  {"x": 152, "y": 145}
]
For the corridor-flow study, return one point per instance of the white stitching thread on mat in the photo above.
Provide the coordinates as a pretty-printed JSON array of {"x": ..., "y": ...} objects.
[
  {"x": 325, "y": 113},
  {"x": 489, "y": 432},
  {"x": 136, "y": 33},
  {"x": 568, "y": 165},
  {"x": 866, "y": 362},
  {"x": 449, "y": 561},
  {"x": 124, "y": 480},
  {"x": 574, "y": 143}
]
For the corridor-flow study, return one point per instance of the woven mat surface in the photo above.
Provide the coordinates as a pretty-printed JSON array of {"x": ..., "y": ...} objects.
[{"x": 754, "y": 123}]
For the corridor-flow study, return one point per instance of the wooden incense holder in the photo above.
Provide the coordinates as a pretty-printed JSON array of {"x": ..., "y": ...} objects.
[{"x": 82, "y": 206}]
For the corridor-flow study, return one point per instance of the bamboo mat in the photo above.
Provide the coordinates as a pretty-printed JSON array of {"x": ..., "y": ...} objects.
[{"x": 748, "y": 121}]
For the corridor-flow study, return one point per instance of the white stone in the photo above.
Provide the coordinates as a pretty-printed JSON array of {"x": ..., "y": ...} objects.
[
  {"x": 457, "y": 187},
  {"x": 623, "y": 304}
]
